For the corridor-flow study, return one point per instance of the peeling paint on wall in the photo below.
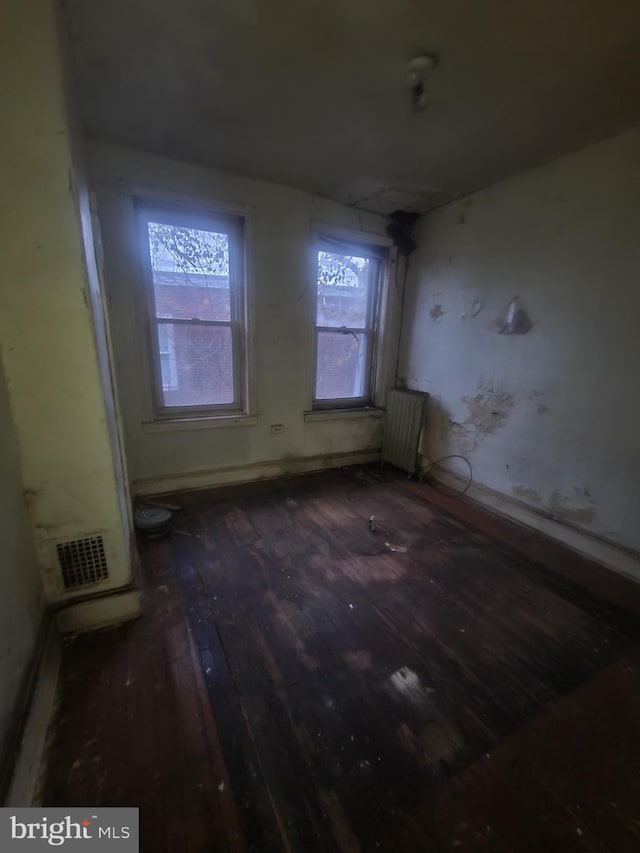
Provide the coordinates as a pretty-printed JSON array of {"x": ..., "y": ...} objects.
[
  {"x": 436, "y": 312},
  {"x": 488, "y": 409},
  {"x": 576, "y": 508},
  {"x": 540, "y": 237},
  {"x": 528, "y": 495}
]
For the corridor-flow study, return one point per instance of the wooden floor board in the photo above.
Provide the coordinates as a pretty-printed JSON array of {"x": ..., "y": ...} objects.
[{"x": 301, "y": 683}]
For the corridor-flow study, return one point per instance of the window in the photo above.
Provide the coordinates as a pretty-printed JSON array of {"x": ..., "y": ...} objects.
[
  {"x": 348, "y": 283},
  {"x": 194, "y": 273}
]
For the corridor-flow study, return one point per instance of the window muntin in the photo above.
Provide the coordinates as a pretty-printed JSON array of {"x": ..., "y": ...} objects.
[
  {"x": 347, "y": 296},
  {"x": 195, "y": 289}
]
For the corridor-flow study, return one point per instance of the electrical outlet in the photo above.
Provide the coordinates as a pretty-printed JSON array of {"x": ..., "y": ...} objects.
[{"x": 277, "y": 428}]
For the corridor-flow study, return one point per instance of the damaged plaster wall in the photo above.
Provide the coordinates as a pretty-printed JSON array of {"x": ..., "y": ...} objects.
[
  {"x": 21, "y": 602},
  {"x": 549, "y": 416}
]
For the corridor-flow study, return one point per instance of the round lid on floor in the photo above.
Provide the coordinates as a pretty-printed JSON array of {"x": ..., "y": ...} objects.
[{"x": 151, "y": 518}]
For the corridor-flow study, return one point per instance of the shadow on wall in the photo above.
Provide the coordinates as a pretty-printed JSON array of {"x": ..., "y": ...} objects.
[{"x": 487, "y": 410}]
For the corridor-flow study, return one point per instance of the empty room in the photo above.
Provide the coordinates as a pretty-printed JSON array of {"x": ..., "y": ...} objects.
[{"x": 320, "y": 426}]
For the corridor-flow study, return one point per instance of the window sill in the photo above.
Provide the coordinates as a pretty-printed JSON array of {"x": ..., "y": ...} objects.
[
  {"x": 213, "y": 422},
  {"x": 342, "y": 414}
]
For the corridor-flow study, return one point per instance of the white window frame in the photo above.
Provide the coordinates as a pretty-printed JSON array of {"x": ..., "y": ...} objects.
[
  {"x": 357, "y": 244},
  {"x": 208, "y": 219}
]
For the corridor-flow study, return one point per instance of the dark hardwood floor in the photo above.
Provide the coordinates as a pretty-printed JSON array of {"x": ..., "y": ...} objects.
[{"x": 300, "y": 683}]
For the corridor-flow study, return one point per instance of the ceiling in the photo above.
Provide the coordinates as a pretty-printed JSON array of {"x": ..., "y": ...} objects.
[{"x": 312, "y": 93}]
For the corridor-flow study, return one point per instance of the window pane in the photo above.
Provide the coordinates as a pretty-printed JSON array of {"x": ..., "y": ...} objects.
[
  {"x": 342, "y": 365},
  {"x": 197, "y": 366},
  {"x": 344, "y": 283},
  {"x": 166, "y": 347},
  {"x": 169, "y": 381},
  {"x": 190, "y": 270}
]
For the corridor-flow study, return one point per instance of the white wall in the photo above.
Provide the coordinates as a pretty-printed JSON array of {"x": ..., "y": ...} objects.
[
  {"x": 21, "y": 600},
  {"x": 280, "y": 279},
  {"x": 551, "y": 417},
  {"x": 47, "y": 327}
]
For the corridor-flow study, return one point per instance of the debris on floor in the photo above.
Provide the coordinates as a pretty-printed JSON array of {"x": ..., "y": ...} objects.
[{"x": 400, "y": 549}]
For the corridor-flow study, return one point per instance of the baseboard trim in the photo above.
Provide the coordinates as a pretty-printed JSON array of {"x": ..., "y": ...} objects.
[
  {"x": 104, "y": 611},
  {"x": 623, "y": 560},
  {"x": 27, "y": 770},
  {"x": 188, "y": 480}
]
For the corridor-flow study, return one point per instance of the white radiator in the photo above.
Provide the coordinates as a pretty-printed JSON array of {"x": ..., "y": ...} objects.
[{"x": 405, "y": 416}]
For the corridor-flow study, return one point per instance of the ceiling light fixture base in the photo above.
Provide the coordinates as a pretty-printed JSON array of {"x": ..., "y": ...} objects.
[{"x": 419, "y": 70}]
